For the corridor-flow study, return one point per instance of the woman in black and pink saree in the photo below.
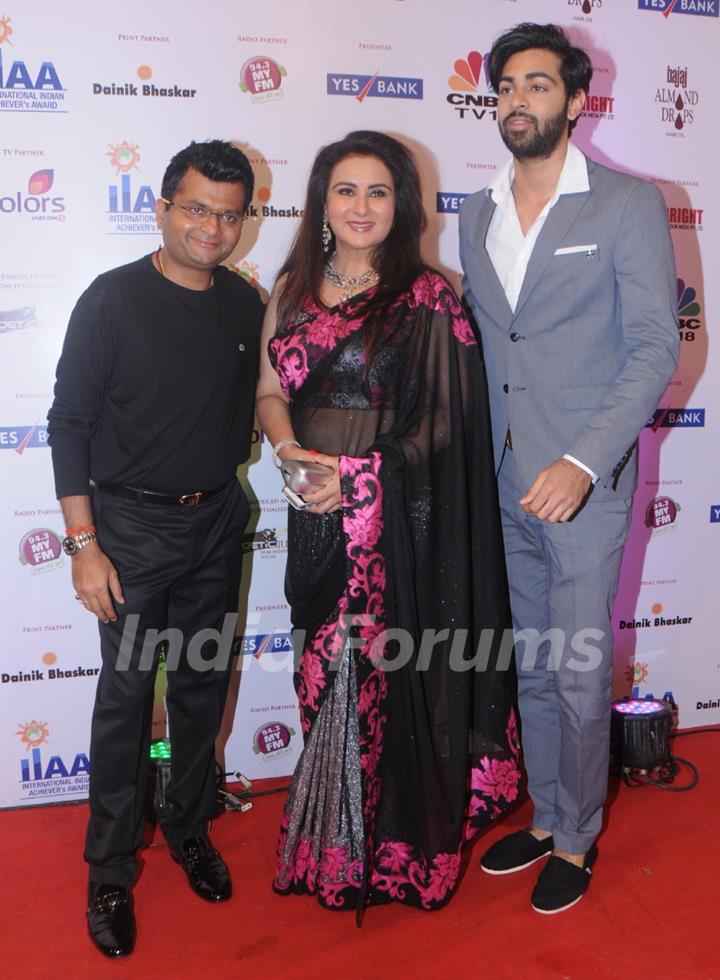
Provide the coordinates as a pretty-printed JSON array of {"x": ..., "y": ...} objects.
[{"x": 395, "y": 572}]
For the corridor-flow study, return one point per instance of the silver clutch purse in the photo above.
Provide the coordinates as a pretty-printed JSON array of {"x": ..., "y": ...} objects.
[{"x": 302, "y": 476}]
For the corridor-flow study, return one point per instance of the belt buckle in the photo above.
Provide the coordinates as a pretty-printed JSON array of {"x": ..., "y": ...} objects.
[{"x": 191, "y": 499}]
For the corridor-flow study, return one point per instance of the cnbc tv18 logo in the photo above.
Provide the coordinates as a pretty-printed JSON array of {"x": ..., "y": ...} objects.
[
  {"x": 677, "y": 101},
  {"x": 466, "y": 98},
  {"x": 26, "y": 86},
  {"x": 49, "y": 776},
  {"x": 700, "y": 8},
  {"x": 130, "y": 204},
  {"x": 36, "y": 202},
  {"x": 689, "y": 321}
]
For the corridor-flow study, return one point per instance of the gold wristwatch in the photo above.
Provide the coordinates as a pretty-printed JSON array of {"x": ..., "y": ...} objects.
[{"x": 72, "y": 544}]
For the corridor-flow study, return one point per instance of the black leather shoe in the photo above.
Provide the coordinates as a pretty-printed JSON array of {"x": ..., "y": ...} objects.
[
  {"x": 111, "y": 920},
  {"x": 207, "y": 872},
  {"x": 515, "y": 852}
]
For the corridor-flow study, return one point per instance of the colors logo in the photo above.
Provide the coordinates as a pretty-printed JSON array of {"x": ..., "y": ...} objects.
[
  {"x": 131, "y": 210},
  {"x": 23, "y": 89},
  {"x": 41, "y": 550},
  {"x": 661, "y": 514},
  {"x": 465, "y": 98},
  {"x": 688, "y": 311},
  {"x": 677, "y": 418},
  {"x": 677, "y": 101},
  {"x": 375, "y": 86},
  {"x": 700, "y": 8},
  {"x": 262, "y": 78},
  {"x": 22, "y": 437},
  {"x": 446, "y": 203},
  {"x": 36, "y": 203},
  {"x": 273, "y": 740}
]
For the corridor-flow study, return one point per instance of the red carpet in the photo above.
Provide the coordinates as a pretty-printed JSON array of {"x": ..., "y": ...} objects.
[{"x": 652, "y": 910}]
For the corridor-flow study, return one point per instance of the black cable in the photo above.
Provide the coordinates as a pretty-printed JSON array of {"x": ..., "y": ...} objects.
[{"x": 665, "y": 775}]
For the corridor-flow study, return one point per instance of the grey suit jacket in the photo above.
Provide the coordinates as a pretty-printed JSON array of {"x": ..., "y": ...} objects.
[{"x": 581, "y": 364}]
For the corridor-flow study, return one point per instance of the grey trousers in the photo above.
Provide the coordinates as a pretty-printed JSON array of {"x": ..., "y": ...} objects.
[{"x": 563, "y": 579}]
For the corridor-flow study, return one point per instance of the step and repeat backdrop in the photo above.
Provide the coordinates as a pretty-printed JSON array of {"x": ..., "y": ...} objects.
[{"x": 93, "y": 103}]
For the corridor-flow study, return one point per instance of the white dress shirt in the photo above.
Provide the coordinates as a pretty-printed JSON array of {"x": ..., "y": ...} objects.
[{"x": 509, "y": 249}]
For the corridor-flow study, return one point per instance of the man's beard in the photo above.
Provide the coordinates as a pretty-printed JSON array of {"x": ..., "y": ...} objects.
[{"x": 532, "y": 143}]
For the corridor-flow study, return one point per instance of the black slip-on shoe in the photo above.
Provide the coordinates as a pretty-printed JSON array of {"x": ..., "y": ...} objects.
[
  {"x": 206, "y": 871},
  {"x": 110, "y": 919},
  {"x": 562, "y": 884},
  {"x": 515, "y": 852}
]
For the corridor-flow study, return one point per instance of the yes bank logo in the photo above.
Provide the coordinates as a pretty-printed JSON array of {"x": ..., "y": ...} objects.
[
  {"x": 700, "y": 8},
  {"x": 447, "y": 203},
  {"x": 130, "y": 203},
  {"x": 677, "y": 418},
  {"x": 375, "y": 86},
  {"x": 715, "y": 513},
  {"x": 22, "y": 437}
]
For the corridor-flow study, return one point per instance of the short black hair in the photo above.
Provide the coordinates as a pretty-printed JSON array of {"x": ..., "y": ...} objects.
[
  {"x": 215, "y": 159},
  {"x": 575, "y": 66}
]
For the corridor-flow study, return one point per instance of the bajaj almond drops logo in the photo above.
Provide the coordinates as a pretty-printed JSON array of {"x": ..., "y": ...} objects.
[
  {"x": 661, "y": 514},
  {"x": 582, "y": 10},
  {"x": 131, "y": 205},
  {"x": 465, "y": 97},
  {"x": 262, "y": 78},
  {"x": 688, "y": 311},
  {"x": 36, "y": 203},
  {"x": 27, "y": 87},
  {"x": 677, "y": 101},
  {"x": 700, "y": 8}
]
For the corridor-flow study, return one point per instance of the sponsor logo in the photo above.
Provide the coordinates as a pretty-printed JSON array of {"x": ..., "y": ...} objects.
[
  {"x": 131, "y": 208},
  {"x": 688, "y": 311},
  {"x": 35, "y": 202},
  {"x": 715, "y": 513},
  {"x": 706, "y": 705},
  {"x": 24, "y": 86},
  {"x": 22, "y": 437},
  {"x": 701, "y": 8},
  {"x": 447, "y": 203},
  {"x": 51, "y": 777},
  {"x": 686, "y": 219},
  {"x": 50, "y": 671},
  {"x": 656, "y": 620},
  {"x": 40, "y": 549},
  {"x": 599, "y": 107},
  {"x": 676, "y": 418},
  {"x": 23, "y": 318},
  {"x": 582, "y": 10},
  {"x": 265, "y": 540},
  {"x": 275, "y": 641},
  {"x": 263, "y": 209},
  {"x": 273, "y": 740},
  {"x": 661, "y": 514},
  {"x": 676, "y": 100},
  {"x": 262, "y": 77},
  {"x": 636, "y": 673},
  {"x": 248, "y": 270},
  {"x": 466, "y": 98},
  {"x": 143, "y": 88},
  {"x": 375, "y": 86}
]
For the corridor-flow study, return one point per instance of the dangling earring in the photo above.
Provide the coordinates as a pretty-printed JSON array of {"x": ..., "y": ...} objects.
[{"x": 326, "y": 234}]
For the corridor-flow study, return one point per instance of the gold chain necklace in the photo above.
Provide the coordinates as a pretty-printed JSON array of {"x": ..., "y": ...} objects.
[
  {"x": 158, "y": 256},
  {"x": 349, "y": 284}
]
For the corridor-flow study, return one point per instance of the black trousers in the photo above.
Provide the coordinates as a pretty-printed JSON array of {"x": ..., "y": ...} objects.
[{"x": 179, "y": 567}]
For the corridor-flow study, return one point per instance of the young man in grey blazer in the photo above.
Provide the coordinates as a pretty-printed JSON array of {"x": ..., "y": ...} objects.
[{"x": 569, "y": 270}]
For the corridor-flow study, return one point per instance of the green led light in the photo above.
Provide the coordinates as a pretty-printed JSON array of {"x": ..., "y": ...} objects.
[{"x": 160, "y": 749}]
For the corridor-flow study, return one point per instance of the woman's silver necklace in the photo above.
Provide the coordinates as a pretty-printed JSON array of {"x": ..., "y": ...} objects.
[{"x": 349, "y": 285}]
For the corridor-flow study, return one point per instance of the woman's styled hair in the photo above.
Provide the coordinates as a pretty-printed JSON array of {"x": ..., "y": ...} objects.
[
  {"x": 397, "y": 259},
  {"x": 575, "y": 67}
]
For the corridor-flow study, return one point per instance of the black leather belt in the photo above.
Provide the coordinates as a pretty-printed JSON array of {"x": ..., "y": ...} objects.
[{"x": 150, "y": 497}]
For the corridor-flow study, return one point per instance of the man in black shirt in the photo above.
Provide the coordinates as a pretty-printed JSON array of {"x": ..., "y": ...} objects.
[{"x": 154, "y": 405}]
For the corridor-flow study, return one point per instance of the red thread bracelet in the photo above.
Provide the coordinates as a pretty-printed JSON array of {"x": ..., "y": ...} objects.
[{"x": 70, "y": 531}]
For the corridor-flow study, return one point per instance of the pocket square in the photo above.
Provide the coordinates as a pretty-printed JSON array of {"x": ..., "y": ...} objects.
[{"x": 574, "y": 249}]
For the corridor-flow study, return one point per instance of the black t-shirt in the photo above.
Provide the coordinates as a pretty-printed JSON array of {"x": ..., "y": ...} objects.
[{"x": 156, "y": 383}]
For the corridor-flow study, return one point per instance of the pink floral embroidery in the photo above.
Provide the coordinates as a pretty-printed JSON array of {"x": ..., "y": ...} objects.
[
  {"x": 498, "y": 778},
  {"x": 463, "y": 331},
  {"x": 312, "y": 679}
]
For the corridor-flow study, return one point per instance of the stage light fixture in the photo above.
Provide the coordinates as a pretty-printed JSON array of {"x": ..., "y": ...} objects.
[
  {"x": 640, "y": 733},
  {"x": 160, "y": 754}
]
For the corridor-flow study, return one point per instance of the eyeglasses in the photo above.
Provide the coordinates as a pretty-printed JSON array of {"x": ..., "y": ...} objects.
[{"x": 198, "y": 214}]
